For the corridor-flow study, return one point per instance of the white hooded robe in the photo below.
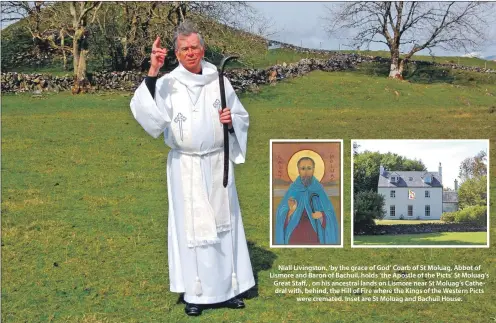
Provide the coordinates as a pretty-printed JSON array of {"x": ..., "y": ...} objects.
[{"x": 185, "y": 109}]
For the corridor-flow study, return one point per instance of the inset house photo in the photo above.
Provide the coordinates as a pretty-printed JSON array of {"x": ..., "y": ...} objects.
[
  {"x": 306, "y": 193},
  {"x": 420, "y": 193}
]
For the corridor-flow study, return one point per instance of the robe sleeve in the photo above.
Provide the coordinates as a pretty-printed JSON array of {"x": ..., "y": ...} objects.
[
  {"x": 154, "y": 115},
  {"x": 240, "y": 121},
  {"x": 282, "y": 220}
]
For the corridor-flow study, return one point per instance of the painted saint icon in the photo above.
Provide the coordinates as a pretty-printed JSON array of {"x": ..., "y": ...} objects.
[{"x": 306, "y": 215}]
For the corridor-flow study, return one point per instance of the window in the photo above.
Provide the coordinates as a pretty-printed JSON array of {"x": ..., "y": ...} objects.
[
  {"x": 392, "y": 194},
  {"x": 427, "y": 210},
  {"x": 410, "y": 210},
  {"x": 427, "y": 179},
  {"x": 392, "y": 210},
  {"x": 427, "y": 193},
  {"x": 393, "y": 179}
]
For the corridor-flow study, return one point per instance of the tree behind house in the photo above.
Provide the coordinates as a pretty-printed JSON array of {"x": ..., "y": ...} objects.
[{"x": 366, "y": 168}]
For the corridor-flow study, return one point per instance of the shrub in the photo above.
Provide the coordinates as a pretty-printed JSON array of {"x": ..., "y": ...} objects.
[
  {"x": 448, "y": 217},
  {"x": 476, "y": 215},
  {"x": 472, "y": 215}
]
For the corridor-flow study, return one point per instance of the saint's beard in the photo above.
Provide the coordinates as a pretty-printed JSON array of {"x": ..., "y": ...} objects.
[{"x": 306, "y": 180}]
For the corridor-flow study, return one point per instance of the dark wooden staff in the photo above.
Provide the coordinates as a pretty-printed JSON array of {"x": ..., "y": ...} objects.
[{"x": 223, "y": 104}]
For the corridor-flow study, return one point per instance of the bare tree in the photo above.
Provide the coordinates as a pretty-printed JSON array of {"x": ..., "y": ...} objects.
[
  {"x": 237, "y": 14},
  {"x": 51, "y": 22},
  {"x": 127, "y": 38},
  {"x": 473, "y": 167},
  {"x": 410, "y": 27},
  {"x": 30, "y": 11},
  {"x": 16, "y": 10},
  {"x": 80, "y": 13}
]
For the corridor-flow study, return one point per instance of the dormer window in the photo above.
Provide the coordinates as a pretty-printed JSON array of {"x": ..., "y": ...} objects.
[
  {"x": 427, "y": 179},
  {"x": 393, "y": 179}
]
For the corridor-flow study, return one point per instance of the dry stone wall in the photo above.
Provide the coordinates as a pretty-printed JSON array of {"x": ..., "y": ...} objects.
[{"x": 241, "y": 79}]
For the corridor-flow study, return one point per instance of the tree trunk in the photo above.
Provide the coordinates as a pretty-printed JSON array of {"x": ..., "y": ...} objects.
[
  {"x": 62, "y": 45},
  {"x": 80, "y": 53},
  {"x": 397, "y": 65},
  {"x": 75, "y": 52},
  {"x": 394, "y": 69},
  {"x": 402, "y": 67},
  {"x": 81, "y": 72}
]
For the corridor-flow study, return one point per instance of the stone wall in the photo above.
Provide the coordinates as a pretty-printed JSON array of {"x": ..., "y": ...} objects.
[
  {"x": 241, "y": 79},
  {"x": 418, "y": 228},
  {"x": 383, "y": 59}
]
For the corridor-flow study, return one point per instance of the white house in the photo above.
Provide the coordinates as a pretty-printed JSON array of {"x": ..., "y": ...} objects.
[{"x": 411, "y": 195}]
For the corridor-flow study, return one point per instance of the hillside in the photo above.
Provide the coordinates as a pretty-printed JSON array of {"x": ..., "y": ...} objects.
[
  {"x": 19, "y": 51},
  {"x": 106, "y": 35}
]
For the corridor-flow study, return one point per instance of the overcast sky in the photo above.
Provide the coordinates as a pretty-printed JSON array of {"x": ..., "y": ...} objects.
[
  {"x": 299, "y": 23},
  {"x": 450, "y": 153}
]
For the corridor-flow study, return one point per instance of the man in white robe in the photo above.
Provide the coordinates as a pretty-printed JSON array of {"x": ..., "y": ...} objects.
[{"x": 207, "y": 249}]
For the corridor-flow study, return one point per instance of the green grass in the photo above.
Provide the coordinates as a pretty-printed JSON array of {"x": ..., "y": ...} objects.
[
  {"x": 440, "y": 238},
  {"x": 405, "y": 222},
  {"x": 84, "y": 207}
]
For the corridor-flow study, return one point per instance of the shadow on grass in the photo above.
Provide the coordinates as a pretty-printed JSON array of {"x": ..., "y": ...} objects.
[
  {"x": 261, "y": 259},
  {"x": 414, "y": 239}
]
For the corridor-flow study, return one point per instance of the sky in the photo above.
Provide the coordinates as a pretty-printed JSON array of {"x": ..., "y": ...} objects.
[
  {"x": 299, "y": 24},
  {"x": 450, "y": 153}
]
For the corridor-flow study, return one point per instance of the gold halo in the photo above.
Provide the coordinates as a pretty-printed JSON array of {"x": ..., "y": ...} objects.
[{"x": 293, "y": 161}]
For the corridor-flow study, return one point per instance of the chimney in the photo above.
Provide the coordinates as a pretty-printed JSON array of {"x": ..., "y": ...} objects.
[
  {"x": 381, "y": 170},
  {"x": 440, "y": 174},
  {"x": 456, "y": 185}
]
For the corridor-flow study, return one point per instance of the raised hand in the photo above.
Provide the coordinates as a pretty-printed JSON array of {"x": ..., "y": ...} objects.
[
  {"x": 292, "y": 206},
  {"x": 317, "y": 215},
  {"x": 157, "y": 58}
]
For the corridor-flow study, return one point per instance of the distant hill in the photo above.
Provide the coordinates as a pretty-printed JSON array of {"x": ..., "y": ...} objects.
[
  {"x": 491, "y": 58},
  {"x": 473, "y": 55}
]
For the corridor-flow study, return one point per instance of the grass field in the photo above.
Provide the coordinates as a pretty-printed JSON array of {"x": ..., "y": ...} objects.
[
  {"x": 441, "y": 238},
  {"x": 84, "y": 208}
]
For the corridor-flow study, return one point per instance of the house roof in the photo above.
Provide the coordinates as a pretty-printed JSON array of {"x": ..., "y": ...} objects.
[
  {"x": 450, "y": 197},
  {"x": 417, "y": 179}
]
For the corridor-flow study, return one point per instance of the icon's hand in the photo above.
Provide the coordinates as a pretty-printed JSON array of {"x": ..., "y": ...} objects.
[
  {"x": 292, "y": 206},
  {"x": 157, "y": 58},
  {"x": 317, "y": 215}
]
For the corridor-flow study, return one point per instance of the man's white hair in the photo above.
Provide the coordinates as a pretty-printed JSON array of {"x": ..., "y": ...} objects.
[{"x": 187, "y": 28}]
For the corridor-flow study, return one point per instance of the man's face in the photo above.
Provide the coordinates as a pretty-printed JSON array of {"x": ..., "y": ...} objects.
[
  {"x": 305, "y": 169},
  {"x": 190, "y": 52}
]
